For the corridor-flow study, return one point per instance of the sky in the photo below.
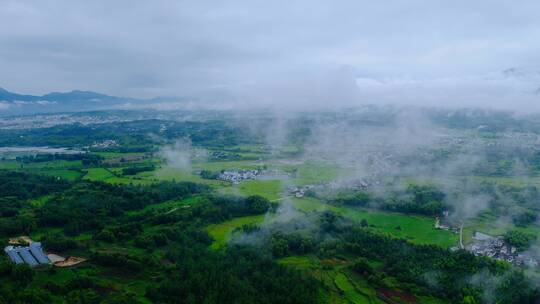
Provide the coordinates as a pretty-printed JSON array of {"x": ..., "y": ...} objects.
[{"x": 326, "y": 52}]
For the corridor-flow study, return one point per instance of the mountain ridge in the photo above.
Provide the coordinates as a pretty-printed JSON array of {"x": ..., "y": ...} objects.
[
  {"x": 12, "y": 103},
  {"x": 74, "y": 95}
]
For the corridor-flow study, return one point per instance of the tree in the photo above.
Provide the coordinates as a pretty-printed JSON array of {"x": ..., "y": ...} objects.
[
  {"x": 519, "y": 239},
  {"x": 361, "y": 265},
  {"x": 257, "y": 204},
  {"x": 469, "y": 300}
]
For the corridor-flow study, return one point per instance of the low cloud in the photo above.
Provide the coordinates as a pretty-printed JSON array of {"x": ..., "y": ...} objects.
[{"x": 178, "y": 155}]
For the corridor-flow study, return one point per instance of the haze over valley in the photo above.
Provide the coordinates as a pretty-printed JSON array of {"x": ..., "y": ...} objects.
[{"x": 269, "y": 152}]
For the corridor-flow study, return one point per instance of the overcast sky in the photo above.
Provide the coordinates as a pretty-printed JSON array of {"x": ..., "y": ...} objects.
[{"x": 418, "y": 51}]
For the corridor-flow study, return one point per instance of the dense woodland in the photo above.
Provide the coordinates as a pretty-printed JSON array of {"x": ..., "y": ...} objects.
[
  {"x": 116, "y": 228},
  {"x": 185, "y": 269}
]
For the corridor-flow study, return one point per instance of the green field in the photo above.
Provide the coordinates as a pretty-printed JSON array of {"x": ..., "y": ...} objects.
[
  {"x": 167, "y": 173},
  {"x": 270, "y": 189},
  {"x": 310, "y": 172},
  {"x": 98, "y": 174},
  {"x": 222, "y": 232},
  {"x": 105, "y": 175},
  {"x": 55, "y": 164},
  {"x": 108, "y": 155},
  {"x": 70, "y": 175},
  {"x": 417, "y": 229}
]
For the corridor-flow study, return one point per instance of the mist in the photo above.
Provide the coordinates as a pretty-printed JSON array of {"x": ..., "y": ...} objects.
[
  {"x": 178, "y": 155},
  {"x": 375, "y": 150}
]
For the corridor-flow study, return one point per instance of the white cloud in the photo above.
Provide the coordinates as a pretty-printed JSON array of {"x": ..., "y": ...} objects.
[{"x": 164, "y": 47}]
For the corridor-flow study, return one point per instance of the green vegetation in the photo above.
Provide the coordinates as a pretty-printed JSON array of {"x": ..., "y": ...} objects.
[
  {"x": 147, "y": 242},
  {"x": 156, "y": 233},
  {"x": 395, "y": 268},
  {"x": 98, "y": 174},
  {"x": 221, "y": 233},
  {"x": 519, "y": 239},
  {"x": 417, "y": 229},
  {"x": 271, "y": 189}
]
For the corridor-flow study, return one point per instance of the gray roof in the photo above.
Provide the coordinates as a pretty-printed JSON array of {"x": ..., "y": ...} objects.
[
  {"x": 32, "y": 255},
  {"x": 37, "y": 252},
  {"x": 28, "y": 258},
  {"x": 16, "y": 258}
]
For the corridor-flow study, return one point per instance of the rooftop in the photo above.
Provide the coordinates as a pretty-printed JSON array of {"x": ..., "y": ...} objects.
[{"x": 32, "y": 255}]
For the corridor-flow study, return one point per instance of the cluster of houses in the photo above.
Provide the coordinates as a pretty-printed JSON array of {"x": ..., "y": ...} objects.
[
  {"x": 300, "y": 191},
  {"x": 222, "y": 155},
  {"x": 108, "y": 143},
  {"x": 495, "y": 247},
  {"x": 357, "y": 184},
  {"x": 238, "y": 176}
]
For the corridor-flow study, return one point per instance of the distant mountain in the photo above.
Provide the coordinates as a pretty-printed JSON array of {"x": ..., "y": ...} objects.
[
  {"x": 5, "y": 95},
  {"x": 14, "y": 103},
  {"x": 77, "y": 95},
  {"x": 58, "y": 97}
]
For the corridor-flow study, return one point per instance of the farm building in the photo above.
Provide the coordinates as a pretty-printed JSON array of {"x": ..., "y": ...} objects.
[{"x": 32, "y": 255}]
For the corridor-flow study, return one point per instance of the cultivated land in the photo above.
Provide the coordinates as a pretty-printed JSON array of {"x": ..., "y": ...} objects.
[
  {"x": 418, "y": 229},
  {"x": 142, "y": 234}
]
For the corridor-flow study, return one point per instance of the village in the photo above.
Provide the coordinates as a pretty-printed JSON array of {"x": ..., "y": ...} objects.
[
  {"x": 495, "y": 247},
  {"x": 490, "y": 246},
  {"x": 238, "y": 176},
  {"x": 354, "y": 184}
]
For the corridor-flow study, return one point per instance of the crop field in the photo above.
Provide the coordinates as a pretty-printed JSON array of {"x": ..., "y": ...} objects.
[
  {"x": 270, "y": 189},
  {"x": 167, "y": 173},
  {"x": 98, "y": 174},
  {"x": 105, "y": 175},
  {"x": 341, "y": 284},
  {"x": 108, "y": 155},
  {"x": 312, "y": 172},
  {"x": 55, "y": 164},
  {"x": 338, "y": 282},
  {"x": 417, "y": 229},
  {"x": 70, "y": 175}
]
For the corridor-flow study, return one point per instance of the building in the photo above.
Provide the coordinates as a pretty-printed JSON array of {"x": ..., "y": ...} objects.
[{"x": 32, "y": 255}]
